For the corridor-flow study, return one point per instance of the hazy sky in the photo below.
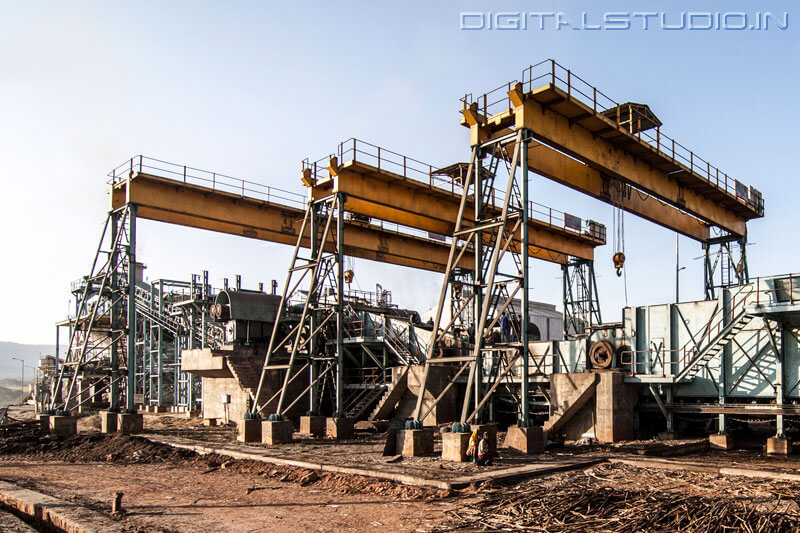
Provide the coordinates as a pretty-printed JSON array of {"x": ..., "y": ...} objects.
[{"x": 251, "y": 88}]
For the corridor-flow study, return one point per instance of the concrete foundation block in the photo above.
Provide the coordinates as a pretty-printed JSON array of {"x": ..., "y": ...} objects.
[
  {"x": 276, "y": 431},
  {"x": 454, "y": 447},
  {"x": 210, "y": 422},
  {"x": 63, "y": 425},
  {"x": 720, "y": 441},
  {"x": 130, "y": 422},
  {"x": 249, "y": 430},
  {"x": 158, "y": 408},
  {"x": 108, "y": 421},
  {"x": 527, "y": 440},
  {"x": 415, "y": 442},
  {"x": 339, "y": 428},
  {"x": 44, "y": 420},
  {"x": 313, "y": 425},
  {"x": 491, "y": 429},
  {"x": 779, "y": 446}
]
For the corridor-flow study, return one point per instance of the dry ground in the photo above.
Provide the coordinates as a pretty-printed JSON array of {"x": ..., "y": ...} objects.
[{"x": 166, "y": 489}]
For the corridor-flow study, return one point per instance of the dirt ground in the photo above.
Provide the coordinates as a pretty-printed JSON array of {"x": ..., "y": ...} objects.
[
  {"x": 173, "y": 490},
  {"x": 11, "y": 524}
]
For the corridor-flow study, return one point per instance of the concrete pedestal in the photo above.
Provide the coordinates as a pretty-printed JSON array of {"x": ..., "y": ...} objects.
[
  {"x": 44, "y": 420},
  {"x": 158, "y": 408},
  {"x": 526, "y": 440},
  {"x": 108, "y": 421},
  {"x": 276, "y": 431},
  {"x": 210, "y": 422},
  {"x": 415, "y": 442},
  {"x": 249, "y": 430},
  {"x": 779, "y": 446},
  {"x": 63, "y": 425},
  {"x": 454, "y": 447},
  {"x": 491, "y": 429},
  {"x": 313, "y": 425},
  {"x": 130, "y": 422},
  {"x": 720, "y": 441},
  {"x": 339, "y": 428}
]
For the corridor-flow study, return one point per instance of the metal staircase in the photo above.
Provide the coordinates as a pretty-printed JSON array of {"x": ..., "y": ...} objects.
[
  {"x": 714, "y": 346},
  {"x": 170, "y": 317},
  {"x": 164, "y": 318},
  {"x": 365, "y": 398},
  {"x": 391, "y": 397},
  {"x": 398, "y": 340}
]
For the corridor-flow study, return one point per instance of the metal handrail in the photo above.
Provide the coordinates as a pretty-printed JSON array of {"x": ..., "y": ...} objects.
[
  {"x": 356, "y": 150},
  {"x": 213, "y": 180},
  {"x": 628, "y": 358},
  {"x": 772, "y": 293},
  {"x": 715, "y": 328},
  {"x": 546, "y": 72}
]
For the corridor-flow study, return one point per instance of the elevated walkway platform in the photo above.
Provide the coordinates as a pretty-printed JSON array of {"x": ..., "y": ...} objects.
[
  {"x": 381, "y": 184},
  {"x": 167, "y": 193},
  {"x": 623, "y": 141}
]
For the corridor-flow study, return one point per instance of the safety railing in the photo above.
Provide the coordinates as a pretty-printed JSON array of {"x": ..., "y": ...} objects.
[
  {"x": 224, "y": 183},
  {"x": 204, "y": 178},
  {"x": 373, "y": 298},
  {"x": 720, "y": 320},
  {"x": 549, "y": 72},
  {"x": 651, "y": 362},
  {"x": 356, "y": 150},
  {"x": 783, "y": 289},
  {"x": 370, "y": 376}
]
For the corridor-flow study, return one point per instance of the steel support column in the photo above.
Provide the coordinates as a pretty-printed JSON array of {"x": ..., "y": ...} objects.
[
  {"x": 780, "y": 359},
  {"x": 525, "y": 411},
  {"x": 340, "y": 412},
  {"x": 113, "y": 391},
  {"x": 131, "y": 389}
]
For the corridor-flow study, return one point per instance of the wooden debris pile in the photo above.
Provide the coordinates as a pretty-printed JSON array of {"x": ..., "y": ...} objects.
[{"x": 581, "y": 504}]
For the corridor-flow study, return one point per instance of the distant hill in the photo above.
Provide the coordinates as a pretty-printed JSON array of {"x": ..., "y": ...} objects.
[{"x": 30, "y": 353}]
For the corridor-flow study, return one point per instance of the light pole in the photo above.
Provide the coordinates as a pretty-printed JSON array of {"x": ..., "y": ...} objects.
[
  {"x": 22, "y": 378},
  {"x": 35, "y": 388},
  {"x": 678, "y": 268}
]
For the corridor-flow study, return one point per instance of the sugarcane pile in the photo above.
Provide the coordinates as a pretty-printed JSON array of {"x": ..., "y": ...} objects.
[{"x": 582, "y": 503}]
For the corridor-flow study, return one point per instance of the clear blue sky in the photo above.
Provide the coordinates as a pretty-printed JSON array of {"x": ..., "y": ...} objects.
[{"x": 251, "y": 88}]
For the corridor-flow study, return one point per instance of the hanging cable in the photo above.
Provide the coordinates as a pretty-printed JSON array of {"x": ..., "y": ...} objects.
[{"x": 618, "y": 229}]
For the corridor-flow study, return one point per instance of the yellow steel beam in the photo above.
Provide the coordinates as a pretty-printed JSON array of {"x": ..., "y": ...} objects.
[
  {"x": 384, "y": 195},
  {"x": 556, "y": 130},
  {"x": 576, "y": 175},
  {"x": 199, "y": 207}
]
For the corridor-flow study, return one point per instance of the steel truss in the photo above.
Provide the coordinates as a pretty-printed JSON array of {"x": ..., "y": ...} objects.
[
  {"x": 103, "y": 300},
  {"x": 492, "y": 232},
  {"x": 581, "y": 301},
  {"x": 126, "y": 337},
  {"x": 304, "y": 347},
  {"x": 725, "y": 263}
]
